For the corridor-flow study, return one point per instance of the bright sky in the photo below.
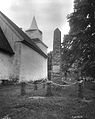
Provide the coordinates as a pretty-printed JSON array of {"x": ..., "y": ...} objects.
[{"x": 49, "y": 14}]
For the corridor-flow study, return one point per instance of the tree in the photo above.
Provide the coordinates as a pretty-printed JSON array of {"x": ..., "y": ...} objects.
[
  {"x": 69, "y": 54},
  {"x": 81, "y": 37}
]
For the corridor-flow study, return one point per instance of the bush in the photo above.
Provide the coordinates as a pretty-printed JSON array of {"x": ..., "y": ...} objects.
[{"x": 8, "y": 81}]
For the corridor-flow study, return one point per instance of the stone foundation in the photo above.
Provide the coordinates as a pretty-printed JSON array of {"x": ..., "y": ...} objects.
[{"x": 56, "y": 77}]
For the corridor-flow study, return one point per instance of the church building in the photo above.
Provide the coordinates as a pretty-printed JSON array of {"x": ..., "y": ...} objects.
[{"x": 23, "y": 55}]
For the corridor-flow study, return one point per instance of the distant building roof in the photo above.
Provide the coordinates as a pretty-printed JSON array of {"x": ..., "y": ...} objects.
[
  {"x": 4, "y": 44},
  {"x": 27, "y": 40}
]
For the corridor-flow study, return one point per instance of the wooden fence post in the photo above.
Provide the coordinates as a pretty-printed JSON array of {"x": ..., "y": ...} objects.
[
  {"x": 35, "y": 85},
  {"x": 49, "y": 92},
  {"x": 43, "y": 85},
  {"x": 23, "y": 89},
  {"x": 80, "y": 90}
]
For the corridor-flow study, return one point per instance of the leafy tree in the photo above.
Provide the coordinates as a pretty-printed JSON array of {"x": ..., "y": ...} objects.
[
  {"x": 81, "y": 37},
  {"x": 69, "y": 54}
]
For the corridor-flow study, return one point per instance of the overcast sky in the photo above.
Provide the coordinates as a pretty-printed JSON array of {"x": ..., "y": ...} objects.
[{"x": 49, "y": 15}]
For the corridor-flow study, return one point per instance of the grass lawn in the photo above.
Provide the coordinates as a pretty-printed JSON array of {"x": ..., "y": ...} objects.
[{"x": 64, "y": 103}]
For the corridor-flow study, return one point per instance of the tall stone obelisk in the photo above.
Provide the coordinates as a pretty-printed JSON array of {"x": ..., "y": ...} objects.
[{"x": 56, "y": 57}]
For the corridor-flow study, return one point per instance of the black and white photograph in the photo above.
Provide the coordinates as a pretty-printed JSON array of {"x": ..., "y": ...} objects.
[{"x": 47, "y": 59}]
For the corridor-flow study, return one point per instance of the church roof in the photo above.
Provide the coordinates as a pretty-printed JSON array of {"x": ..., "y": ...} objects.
[
  {"x": 34, "y": 24},
  {"x": 38, "y": 40},
  {"x": 27, "y": 40},
  {"x": 4, "y": 44}
]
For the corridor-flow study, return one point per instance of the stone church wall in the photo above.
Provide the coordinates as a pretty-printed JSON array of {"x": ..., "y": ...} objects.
[
  {"x": 5, "y": 66},
  {"x": 33, "y": 65},
  {"x": 13, "y": 37}
]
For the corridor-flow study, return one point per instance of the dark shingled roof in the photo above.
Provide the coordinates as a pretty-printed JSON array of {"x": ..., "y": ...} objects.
[
  {"x": 4, "y": 44},
  {"x": 33, "y": 30},
  {"x": 39, "y": 41},
  {"x": 27, "y": 40}
]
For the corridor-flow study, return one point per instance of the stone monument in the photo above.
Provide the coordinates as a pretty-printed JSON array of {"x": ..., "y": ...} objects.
[{"x": 56, "y": 57}]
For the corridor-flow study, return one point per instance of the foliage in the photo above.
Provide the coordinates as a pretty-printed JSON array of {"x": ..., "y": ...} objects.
[
  {"x": 69, "y": 54},
  {"x": 80, "y": 42}
]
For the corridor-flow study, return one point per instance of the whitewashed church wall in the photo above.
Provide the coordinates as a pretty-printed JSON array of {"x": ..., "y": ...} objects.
[
  {"x": 9, "y": 65},
  {"x": 13, "y": 37},
  {"x": 5, "y": 66},
  {"x": 33, "y": 65},
  {"x": 17, "y": 60}
]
